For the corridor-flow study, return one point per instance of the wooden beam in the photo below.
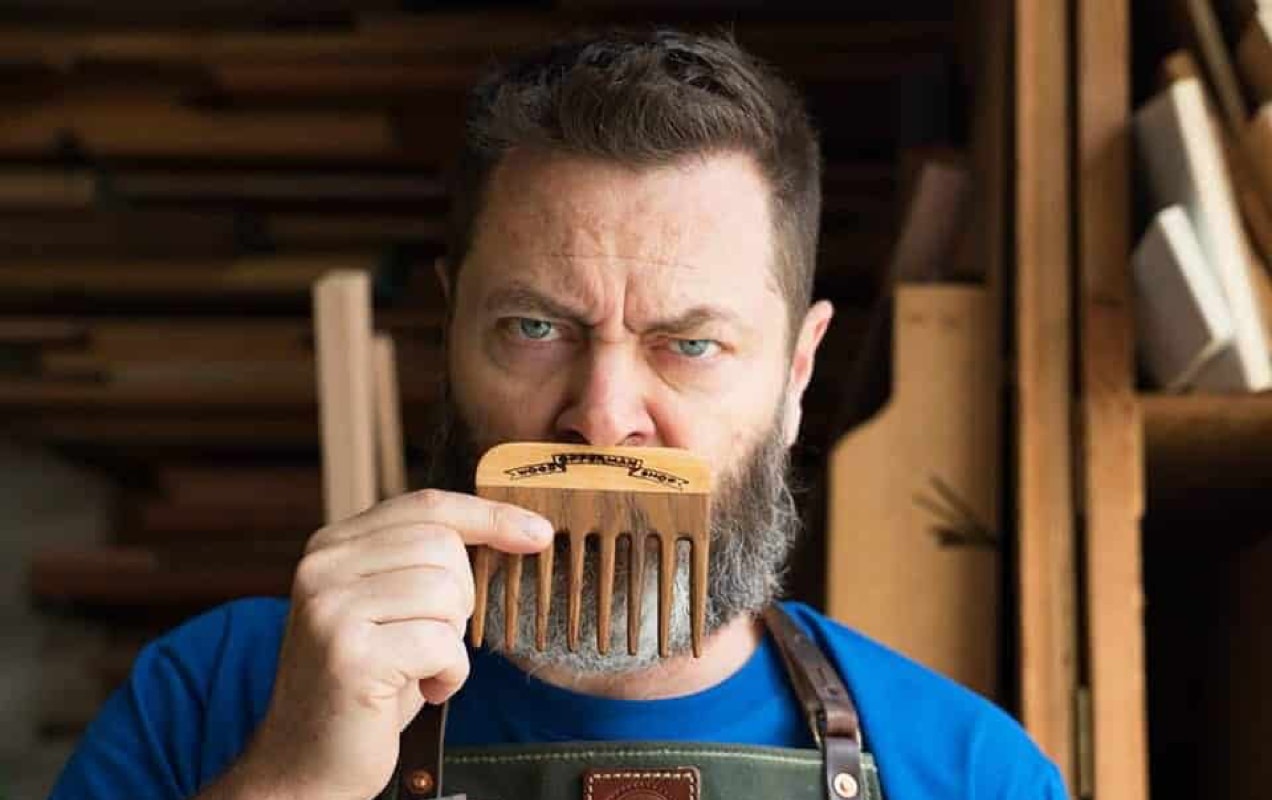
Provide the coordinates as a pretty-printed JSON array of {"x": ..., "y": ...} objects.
[
  {"x": 1112, "y": 468},
  {"x": 1043, "y": 326}
]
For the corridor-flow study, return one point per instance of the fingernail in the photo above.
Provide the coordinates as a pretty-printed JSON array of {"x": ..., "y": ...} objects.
[{"x": 536, "y": 527}]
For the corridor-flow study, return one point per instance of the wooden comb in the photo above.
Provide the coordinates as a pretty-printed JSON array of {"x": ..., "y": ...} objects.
[{"x": 610, "y": 493}]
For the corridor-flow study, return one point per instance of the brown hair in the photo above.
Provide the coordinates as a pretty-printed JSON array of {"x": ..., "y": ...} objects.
[{"x": 647, "y": 99}]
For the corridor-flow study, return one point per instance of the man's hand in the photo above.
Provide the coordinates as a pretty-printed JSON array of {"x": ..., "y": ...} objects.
[{"x": 379, "y": 606}]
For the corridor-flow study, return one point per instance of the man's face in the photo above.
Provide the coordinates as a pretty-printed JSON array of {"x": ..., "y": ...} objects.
[{"x": 615, "y": 306}]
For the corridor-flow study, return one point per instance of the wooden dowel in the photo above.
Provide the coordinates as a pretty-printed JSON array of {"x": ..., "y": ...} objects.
[
  {"x": 388, "y": 418},
  {"x": 342, "y": 321}
]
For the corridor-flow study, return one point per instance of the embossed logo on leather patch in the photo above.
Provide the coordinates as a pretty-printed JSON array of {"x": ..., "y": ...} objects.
[{"x": 679, "y": 783}]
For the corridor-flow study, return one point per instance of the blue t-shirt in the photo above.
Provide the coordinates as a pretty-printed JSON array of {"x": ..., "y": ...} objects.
[{"x": 196, "y": 695}]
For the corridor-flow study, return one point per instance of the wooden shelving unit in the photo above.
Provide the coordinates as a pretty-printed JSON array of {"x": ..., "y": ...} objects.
[
  {"x": 1175, "y": 492},
  {"x": 1207, "y": 538}
]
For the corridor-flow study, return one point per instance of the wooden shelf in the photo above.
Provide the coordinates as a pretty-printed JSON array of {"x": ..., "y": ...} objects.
[
  {"x": 1208, "y": 458},
  {"x": 147, "y": 577}
]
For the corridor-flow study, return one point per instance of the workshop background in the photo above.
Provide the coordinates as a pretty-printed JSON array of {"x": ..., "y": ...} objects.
[{"x": 1061, "y": 510}]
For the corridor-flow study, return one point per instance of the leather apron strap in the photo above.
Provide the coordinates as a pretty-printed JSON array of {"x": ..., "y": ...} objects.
[
  {"x": 831, "y": 713},
  {"x": 420, "y": 749}
]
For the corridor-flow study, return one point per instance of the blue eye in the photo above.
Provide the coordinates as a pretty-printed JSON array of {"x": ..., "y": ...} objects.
[
  {"x": 534, "y": 328},
  {"x": 693, "y": 348}
]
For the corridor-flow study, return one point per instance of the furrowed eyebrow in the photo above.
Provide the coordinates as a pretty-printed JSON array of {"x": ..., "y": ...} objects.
[
  {"x": 521, "y": 299},
  {"x": 694, "y": 318}
]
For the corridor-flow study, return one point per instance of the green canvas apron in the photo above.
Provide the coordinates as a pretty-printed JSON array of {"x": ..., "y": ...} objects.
[{"x": 838, "y": 769}]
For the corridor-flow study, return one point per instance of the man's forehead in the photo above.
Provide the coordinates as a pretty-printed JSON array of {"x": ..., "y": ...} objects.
[{"x": 701, "y": 225}]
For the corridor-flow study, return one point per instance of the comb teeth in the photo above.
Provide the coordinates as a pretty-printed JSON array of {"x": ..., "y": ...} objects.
[{"x": 606, "y": 509}]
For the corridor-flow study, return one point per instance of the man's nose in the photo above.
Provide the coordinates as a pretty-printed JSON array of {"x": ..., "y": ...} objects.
[{"x": 607, "y": 405}]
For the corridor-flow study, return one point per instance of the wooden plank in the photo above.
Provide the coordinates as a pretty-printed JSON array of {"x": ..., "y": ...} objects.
[
  {"x": 185, "y": 339},
  {"x": 258, "y": 276},
  {"x": 914, "y": 492},
  {"x": 310, "y": 185},
  {"x": 374, "y": 83},
  {"x": 210, "y": 484},
  {"x": 424, "y": 360},
  {"x": 192, "y": 386},
  {"x": 1043, "y": 327},
  {"x": 1202, "y": 28},
  {"x": 342, "y": 329},
  {"x": 1111, "y": 469},
  {"x": 146, "y": 577},
  {"x": 169, "y": 432},
  {"x": 149, "y": 234},
  {"x": 390, "y": 455},
  {"x": 429, "y": 37},
  {"x": 218, "y": 13},
  {"x": 1196, "y": 443},
  {"x": 400, "y": 39},
  {"x": 347, "y": 231},
  {"x": 1254, "y": 56},
  {"x": 30, "y": 189},
  {"x": 113, "y": 127},
  {"x": 167, "y": 429},
  {"x": 232, "y": 517},
  {"x": 34, "y": 330},
  {"x": 169, "y": 338}
]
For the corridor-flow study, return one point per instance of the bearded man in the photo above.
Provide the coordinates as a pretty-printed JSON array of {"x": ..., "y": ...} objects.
[{"x": 630, "y": 263}]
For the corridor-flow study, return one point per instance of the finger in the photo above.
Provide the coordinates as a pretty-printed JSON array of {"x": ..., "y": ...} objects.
[
  {"x": 476, "y": 519},
  {"x": 416, "y": 593},
  {"x": 385, "y": 550},
  {"x": 425, "y": 651}
]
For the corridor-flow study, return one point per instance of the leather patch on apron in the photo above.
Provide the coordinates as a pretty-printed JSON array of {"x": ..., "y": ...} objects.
[{"x": 679, "y": 783}]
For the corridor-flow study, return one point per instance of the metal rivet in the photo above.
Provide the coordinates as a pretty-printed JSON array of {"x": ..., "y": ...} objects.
[
  {"x": 421, "y": 781},
  {"x": 845, "y": 785}
]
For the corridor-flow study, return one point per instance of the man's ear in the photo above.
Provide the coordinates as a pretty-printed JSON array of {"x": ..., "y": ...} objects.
[
  {"x": 440, "y": 268},
  {"x": 810, "y": 334}
]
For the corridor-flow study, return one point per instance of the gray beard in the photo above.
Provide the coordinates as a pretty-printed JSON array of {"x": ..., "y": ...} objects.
[{"x": 754, "y": 523}]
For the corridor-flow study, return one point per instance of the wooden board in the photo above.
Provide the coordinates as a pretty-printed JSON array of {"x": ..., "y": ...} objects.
[
  {"x": 342, "y": 330},
  {"x": 1111, "y": 469},
  {"x": 233, "y": 517},
  {"x": 275, "y": 186},
  {"x": 896, "y": 481},
  {"x": 130, "y": 576},
  {"x": 1043, "y": 326},
  {"x": 42, "y": 189},
  {"x": 210, "y": 484},
  {"x": 1200, "y": 444},
  {"x": 1254, "y": 56},
  {"x": 257, "y": 276},
  {"x": 118, "y": 128},
  {"x": 1202, "y": 27},
  {"x": 151, "y": 234}
]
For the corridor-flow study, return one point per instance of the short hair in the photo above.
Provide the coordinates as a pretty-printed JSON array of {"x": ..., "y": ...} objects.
[{"x": 644, "y": 100}]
